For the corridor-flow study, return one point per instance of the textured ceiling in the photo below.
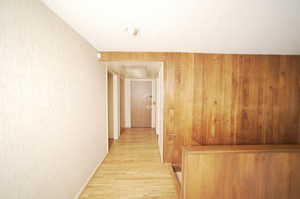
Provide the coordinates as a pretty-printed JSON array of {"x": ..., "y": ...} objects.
[
  {"x": 135, "y": 69},
  {"x": 209, "y": 26}
]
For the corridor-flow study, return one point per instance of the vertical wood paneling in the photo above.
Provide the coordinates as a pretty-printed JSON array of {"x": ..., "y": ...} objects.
[
  {"x": 235, "y": 107},
  {"x": 271, "y": 100},
  {"x": 226, "y": 99},
  {"x": 260, "y": 99},
  {"x": 227, "y": 136},
  {"x": 199, "y": 101},
  {"x": 180, "y": 77},
  {"x": 249, "y": 70}
]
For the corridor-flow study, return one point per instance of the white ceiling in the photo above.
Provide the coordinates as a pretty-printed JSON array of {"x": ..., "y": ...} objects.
[
  {"x": 135, "y": 69},
  {"x": 209, "y": 26}
]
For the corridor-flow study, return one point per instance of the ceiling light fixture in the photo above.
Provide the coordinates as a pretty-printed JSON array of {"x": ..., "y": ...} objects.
[
  {"x": 132, "y": 30},
  {"x": 99, "y": 55}
]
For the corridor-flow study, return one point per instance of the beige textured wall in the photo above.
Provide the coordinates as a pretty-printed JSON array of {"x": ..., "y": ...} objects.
[{"x": 52, "y": 105}]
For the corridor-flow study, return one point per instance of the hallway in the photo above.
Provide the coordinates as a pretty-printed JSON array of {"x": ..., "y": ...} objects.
[{"x": 132, "y": 170}]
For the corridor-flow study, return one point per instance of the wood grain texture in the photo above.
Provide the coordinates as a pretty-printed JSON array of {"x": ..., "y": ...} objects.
[
  {"x": 141, "y": 101},
  {"x": 248, "y": 172},
  {"x": 226, "y": 99},
  {"x": 132, "y": 170},
  {"x": 246, "y": 99}
]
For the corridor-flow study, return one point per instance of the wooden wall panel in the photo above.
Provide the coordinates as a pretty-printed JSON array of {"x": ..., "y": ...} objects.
[
  {"x": 248, "y": 172},
  {"x": 246, "y": 99},
  {"x": 226, "y": 99},
  {"x": 180, "y": 78}
]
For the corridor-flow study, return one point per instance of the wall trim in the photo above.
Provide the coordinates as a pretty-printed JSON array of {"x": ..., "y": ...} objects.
[
  {"x": 90, "y": 177},
  {"x": 116, "y": 106},
  {"x": 153, "y": 105},
  {"x": 127, "y": 103},
  {"x": 106, "y": 105}
]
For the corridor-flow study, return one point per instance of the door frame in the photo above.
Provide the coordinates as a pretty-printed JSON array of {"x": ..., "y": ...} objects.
[
  {"x": 115, "y": 104},
  {"x": 159, "y": 120}
]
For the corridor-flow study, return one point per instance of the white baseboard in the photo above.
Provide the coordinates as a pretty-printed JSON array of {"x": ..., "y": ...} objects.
[
  {"x": 127, "y": 124},
  {"x": 88, "y": 179}
]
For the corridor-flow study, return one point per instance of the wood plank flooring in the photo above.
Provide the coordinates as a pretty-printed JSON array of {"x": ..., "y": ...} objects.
[{"x": 132, "y": 170}]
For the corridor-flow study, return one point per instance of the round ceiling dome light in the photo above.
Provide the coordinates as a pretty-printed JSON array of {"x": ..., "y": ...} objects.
[
  {"x": 132, "y": 30},
  {"x": 99, "y": 55}
]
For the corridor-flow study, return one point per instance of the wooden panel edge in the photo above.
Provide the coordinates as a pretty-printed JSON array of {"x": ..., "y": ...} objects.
[
  {"x": 241, "y": 148},
  {"x": 175, "y": 180}
]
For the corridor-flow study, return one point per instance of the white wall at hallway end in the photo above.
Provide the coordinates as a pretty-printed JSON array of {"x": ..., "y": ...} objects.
[
  {"x": 127, "y": 103},
  {"x": 53, "y": 105}
]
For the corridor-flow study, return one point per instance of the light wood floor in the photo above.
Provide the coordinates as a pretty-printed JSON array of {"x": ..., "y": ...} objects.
[{"x": 132, "y": 170}]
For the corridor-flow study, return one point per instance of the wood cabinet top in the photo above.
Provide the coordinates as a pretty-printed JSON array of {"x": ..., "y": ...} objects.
[{"x": 241, "y": 148}]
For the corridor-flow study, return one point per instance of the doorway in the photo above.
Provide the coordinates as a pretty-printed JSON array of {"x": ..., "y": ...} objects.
[
  {"x": 113, "y": 107},
  {"x": 141, "y": 104},
  {"x": 138, "y": 98},
  {"x": 110, "y": 112}
]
